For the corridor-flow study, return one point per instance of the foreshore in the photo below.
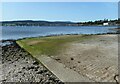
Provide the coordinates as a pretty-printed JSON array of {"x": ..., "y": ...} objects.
[
  {"x": 93, "y": 56},
  {"x": 19, "y": 66},
  {"x": 80, "y": 56}
]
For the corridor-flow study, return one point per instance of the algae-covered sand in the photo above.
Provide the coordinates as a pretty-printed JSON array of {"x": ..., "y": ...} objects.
[
  {"x": 49, "y": 45},
  {"x": 93, "y": 56}
]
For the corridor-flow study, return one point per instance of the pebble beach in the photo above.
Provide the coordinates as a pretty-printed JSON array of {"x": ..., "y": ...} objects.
[{"x": 19, "y": 66}]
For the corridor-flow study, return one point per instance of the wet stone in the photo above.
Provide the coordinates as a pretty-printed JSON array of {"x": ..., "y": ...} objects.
[
  {"x": 72, "y": 58},
  {"x": 19, "y": 66},
  {"x": 35, "y": 63}
]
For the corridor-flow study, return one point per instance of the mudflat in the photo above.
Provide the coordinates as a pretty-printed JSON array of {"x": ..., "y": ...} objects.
[
  {"x": 93, "y": 56},
  {"x": 96, "y": 58}
]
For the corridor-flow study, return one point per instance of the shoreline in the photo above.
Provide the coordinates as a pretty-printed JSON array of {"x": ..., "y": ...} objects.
[
  {"x": 4, "y": 40},
  {"x": 16, "y": 46},
  {"x": 95, "y": 48}
]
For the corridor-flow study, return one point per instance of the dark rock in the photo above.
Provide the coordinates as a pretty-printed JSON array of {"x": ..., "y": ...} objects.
[
  {"x": 4, "y": 80},
  {"x": 35, "y": 63},
  {"x": 23, "y": 68},
  {"x": 72, "y": 58},
  {"x": 13, "y": 54},
  {"x": 57, "y": 59},
  {"x": 20, "y": 54},
  {"x": 9, "y": 60},
  {"x": 40, "y": 72},
  {"x": 32, "y": 67},
  {"x": 36, "y": 69},
  {"x": 20, "y": 72}
]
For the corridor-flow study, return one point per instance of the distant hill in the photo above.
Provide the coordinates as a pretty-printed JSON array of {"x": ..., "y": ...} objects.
[
  {"x": 36, "y": 23},
  {"x": 57, "y": 23}
]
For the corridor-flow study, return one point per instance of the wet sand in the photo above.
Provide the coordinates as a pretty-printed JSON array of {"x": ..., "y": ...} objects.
[{"x": 96, "y": 58}]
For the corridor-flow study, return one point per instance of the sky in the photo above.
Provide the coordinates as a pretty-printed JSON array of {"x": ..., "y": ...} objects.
[{"x": 59, "y": 11}]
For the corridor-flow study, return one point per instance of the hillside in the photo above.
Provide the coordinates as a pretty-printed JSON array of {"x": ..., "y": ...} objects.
[{"x": 57, "y": 23}]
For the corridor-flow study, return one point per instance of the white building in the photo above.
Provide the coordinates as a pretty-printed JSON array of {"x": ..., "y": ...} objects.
[
  {"x": 106, "y": 24},
  {"x": 109, "y": 24}
]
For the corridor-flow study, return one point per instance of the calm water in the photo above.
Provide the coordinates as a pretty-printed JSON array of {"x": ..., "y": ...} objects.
[{"x": 34, "y": 31}]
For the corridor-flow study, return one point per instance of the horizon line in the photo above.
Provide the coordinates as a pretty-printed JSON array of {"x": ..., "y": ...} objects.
[{"x": 57, "y": 20}]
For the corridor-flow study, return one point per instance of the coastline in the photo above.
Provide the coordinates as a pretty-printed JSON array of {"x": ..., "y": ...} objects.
[
  {"x": 31, "y": 60},
  {"x": 4, "y": 40},
  {"x": 74, "y": 56}
]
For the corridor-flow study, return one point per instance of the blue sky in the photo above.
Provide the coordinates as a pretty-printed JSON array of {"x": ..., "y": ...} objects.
[{"x": 59, "y": 11}]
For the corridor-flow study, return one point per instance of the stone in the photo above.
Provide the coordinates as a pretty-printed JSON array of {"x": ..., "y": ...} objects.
[
  {"x": 72, "y": 58},
  {"x": 35, "y": 63}
]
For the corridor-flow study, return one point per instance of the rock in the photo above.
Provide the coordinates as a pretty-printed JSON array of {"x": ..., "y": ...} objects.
[
  {"x": 9, "y": 60},
  {"x": 32, "y": 67},
  {"x": 51, "y": 78},
  {"x": 20, "y": 72},
  {"x": 36, "y": 69},
  {"x": 4, "y": 80},
  {"x": 35, "y": 63},
  {"x": 20, "y": 54},
  {"x": 72, "y": 58},
  {"x": 57, "y": 59},
  {"x": 40, "y": 72},
  {"x": 24, "y": 70}
]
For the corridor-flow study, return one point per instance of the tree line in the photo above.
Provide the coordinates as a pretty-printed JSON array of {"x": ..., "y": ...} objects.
[{"x": 58, "y": 23}]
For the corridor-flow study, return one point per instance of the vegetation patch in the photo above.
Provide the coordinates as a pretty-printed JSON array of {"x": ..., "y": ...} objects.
[{"x": 49, "y": 45}]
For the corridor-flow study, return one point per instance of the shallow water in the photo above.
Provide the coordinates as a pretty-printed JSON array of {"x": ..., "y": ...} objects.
[{"x": 12, "y": 32}]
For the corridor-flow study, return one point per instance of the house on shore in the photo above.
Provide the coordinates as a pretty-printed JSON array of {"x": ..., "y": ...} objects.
[{"x": 109, "y": 24}]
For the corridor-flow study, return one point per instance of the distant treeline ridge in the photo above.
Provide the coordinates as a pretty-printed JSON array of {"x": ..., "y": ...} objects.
[{"x": 58, "y": 23}]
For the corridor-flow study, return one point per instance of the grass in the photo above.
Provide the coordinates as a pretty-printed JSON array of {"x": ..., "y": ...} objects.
[{"x": 49, "y": 45}]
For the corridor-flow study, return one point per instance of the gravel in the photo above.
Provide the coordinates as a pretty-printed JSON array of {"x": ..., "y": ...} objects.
[{"x": 20, "y": 66}]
